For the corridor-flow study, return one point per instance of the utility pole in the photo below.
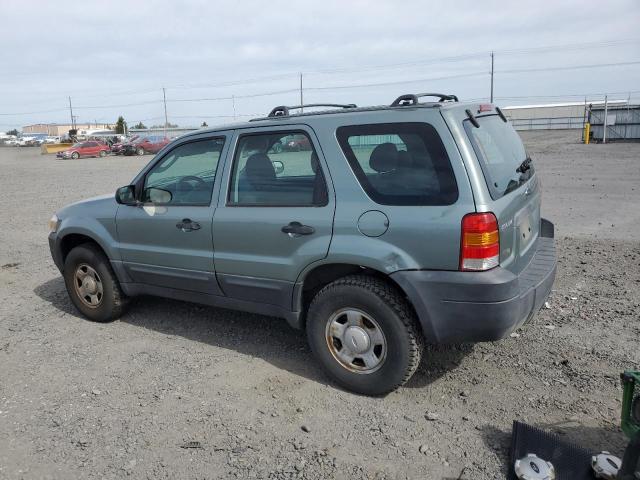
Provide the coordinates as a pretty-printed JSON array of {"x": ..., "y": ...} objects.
[
  {"x": 233, "y": 105},
  {"x": 166, "y": 121},
  {"x": 604, "y": 125},
  {"x": 628, "y": 116},
  {"x": 491, "y": 77},
  {"x": 301, "y": 100},
  {"x": 71, "y": 111}
]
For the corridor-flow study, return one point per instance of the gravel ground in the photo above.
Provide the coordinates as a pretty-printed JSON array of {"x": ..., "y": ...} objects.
[{"x": 85, "y": 400}]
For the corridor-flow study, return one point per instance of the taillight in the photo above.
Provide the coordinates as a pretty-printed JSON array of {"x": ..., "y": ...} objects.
[{"x": 480, "y": 242}]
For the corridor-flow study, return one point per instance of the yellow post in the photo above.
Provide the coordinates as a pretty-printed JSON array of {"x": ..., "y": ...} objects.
[{"x": 587, "y": 131}]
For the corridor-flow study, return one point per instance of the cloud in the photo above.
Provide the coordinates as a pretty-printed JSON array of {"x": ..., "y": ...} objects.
[{"x": 123, "y": 53}]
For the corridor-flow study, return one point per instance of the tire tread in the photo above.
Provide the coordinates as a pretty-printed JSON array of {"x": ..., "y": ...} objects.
[
  {"x": 390, "y": 295},
  {"x": 119, "y": 299}
]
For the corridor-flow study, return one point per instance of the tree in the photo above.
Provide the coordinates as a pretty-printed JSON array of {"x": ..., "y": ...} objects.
[
  {"x": 204, "y": 124},
  {"x": 13, "y": 132},
  {"x": 140, "y": 126},
  {"x": 120, "y": 125}
]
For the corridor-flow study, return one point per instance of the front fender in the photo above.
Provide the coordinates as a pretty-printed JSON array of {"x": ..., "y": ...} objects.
[{"x": 103, "y": 235}]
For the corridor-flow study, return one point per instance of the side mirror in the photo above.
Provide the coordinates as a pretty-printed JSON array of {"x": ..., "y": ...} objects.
[
  {"x": 156, "y": 195},
  {"x": 126, "y": 195},
  {"x": 278, "y": 166}
]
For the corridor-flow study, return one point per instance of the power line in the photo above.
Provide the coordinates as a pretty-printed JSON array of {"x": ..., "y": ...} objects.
[
  {"x": 568, "y": 95},
  {"x": 477, "y": 55},
  {"x": 336, "y": 87},
  {"x": 569, "y": 46},
  {"x": 398, "y": 82},
  {"x": 573, "y": 67},
  {"x": 232, "y": 83},
  {"x": 215, "y": 99},
  {"x": 123, "y": 105}
]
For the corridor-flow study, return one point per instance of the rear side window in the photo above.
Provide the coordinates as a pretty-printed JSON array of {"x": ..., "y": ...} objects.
[
  {"x": 500, "y": 152},
  {"x": 277, "y": 169},
  {"x": 400, "y": 163}
]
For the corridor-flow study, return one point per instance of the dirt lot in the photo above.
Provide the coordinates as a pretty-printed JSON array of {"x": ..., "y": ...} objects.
[{"x": 84, "y": 400}]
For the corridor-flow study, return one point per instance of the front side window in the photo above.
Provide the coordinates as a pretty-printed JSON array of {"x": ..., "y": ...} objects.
[
  {"x": 277, "y": 169},
  {"x": 400, "y": 163},
  {"x": 185, "y": 176}
]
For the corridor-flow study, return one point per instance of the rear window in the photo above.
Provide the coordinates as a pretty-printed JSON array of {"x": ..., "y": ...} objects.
[
  {"x": 400, "y": 163},
  {"x": 500, "y": 152}
]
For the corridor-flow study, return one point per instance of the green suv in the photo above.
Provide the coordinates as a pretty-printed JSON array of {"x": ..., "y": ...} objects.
[{"x": 395, "y": 225}]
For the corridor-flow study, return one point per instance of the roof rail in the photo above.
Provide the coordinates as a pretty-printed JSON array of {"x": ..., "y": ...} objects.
[
  {"x": 412, "y": 99},
  {"x": 283, "y": 111}
]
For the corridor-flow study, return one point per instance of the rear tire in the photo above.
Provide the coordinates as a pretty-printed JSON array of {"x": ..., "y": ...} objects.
[
  {"x": 345, "y": 320},
  {"x": 92, "y": 285}
]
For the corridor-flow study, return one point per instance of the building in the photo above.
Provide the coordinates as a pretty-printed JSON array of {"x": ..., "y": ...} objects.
[
  {"x": 60, "y": 129},
  {"x": 554, "y": 116},
  {"x": 622, "y": 123}
]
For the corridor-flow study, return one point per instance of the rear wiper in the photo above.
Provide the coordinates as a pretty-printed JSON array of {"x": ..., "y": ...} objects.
[{"x": 524, "y": 166}]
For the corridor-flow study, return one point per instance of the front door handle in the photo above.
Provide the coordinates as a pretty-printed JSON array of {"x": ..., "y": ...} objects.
[
  {"x": 295, "y": 229},
  {"x": 186, "y": 225}
]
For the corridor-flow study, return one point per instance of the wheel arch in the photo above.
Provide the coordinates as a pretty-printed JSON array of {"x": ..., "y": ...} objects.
[
  {"x": 318, "y": 276},
  {"x": 72, "y": 240}
]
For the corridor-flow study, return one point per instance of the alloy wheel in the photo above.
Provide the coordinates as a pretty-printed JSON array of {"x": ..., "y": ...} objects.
[
  {"x": 88, "y": 285},
  {"x": 356, "y": 340}
]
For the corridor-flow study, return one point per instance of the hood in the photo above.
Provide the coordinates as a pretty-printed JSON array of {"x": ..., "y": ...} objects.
[{"x": 96, "y": 207}]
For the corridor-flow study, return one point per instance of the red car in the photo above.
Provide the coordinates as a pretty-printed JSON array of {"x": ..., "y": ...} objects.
[
  {"x": 116, "y": 148},
  {"x": 151, "y": 144},
  {"x": 85, "y": 149},
  {"x": 296, "y": 143}
]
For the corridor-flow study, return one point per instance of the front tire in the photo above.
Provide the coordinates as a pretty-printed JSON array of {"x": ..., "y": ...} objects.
[
  {"x": 103, "y": 153},
  {"x": 92, "y": 285},
  {"x": 140, "y": 151},
  {"x": 75, "y": 155},
  {"x": 365, "y": 334}
]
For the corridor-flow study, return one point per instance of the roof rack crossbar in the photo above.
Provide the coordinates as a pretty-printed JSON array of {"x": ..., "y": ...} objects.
[
  {"x": 284, "y": 110},
  {"x": 412, "y": 99}
]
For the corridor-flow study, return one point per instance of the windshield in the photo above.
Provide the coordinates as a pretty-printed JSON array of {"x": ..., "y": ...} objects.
[{"x": 501, "y": 154}]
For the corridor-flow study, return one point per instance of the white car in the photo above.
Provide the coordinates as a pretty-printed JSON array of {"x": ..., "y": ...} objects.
[
  {"x": 25, "y": 141},
  {"x": 51, "y": 140}
]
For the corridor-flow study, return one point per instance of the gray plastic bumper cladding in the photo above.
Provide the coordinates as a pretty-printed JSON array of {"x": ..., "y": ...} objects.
[
  {"x": 456, "y": 307},
  {"x": 56, "y": 253}
]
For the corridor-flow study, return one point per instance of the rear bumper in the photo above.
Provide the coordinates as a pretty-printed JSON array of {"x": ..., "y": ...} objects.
[{"x": 455, "y": 307}]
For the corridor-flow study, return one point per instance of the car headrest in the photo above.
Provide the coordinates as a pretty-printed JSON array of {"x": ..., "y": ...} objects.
[
  {"x": 258, "y": 143},
  {"x": 384, "y": 158},
  {"x": 404, "y": 159},
  {"x": 259, "y": 170}
]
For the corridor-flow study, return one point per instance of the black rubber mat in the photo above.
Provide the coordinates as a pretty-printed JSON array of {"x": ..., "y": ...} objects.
[{"x": 570, "y": 461}]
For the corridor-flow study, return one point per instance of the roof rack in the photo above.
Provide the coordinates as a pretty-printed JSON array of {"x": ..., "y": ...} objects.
[
  {"x": 283, "y": 111},
  {"x": 412, "y": 99}
]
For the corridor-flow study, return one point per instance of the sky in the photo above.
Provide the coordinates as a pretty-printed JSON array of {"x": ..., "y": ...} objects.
[{"x": 225, "y": 60}]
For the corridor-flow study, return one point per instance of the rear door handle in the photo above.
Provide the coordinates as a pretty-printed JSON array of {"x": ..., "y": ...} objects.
[
  {"x": 295, "y": 229},
  {"x": 186, "y": 225}
]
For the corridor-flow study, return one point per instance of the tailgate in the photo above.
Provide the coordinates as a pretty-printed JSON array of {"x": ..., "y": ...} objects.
[
  {"x": 518, "y": 216},
  {"x": 513, "y": 186}
]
